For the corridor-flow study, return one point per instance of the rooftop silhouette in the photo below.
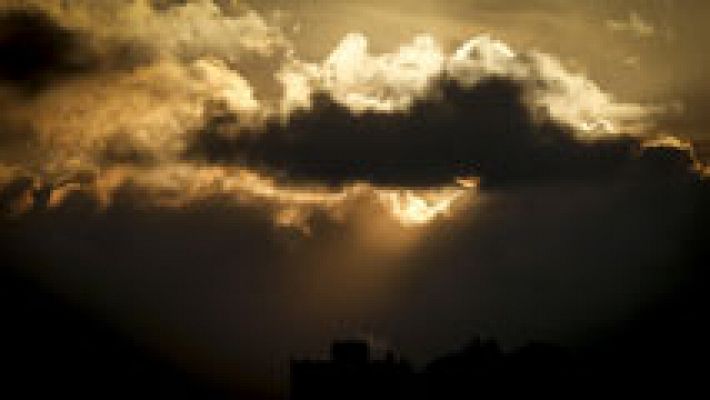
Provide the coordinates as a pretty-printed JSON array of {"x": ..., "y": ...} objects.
[
  {"x": 478, "y": 370},
  {"x": 350, "y": 374}
]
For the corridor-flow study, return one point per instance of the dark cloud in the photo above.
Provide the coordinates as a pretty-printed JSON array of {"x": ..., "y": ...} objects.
[
  {"x": 164, "y": 5},
  {"x": 487, "y": 130},
  {"x": 35, "y": 49},
  {"x": 13, "y": 193},
  {"x": 16, "y": 140},
  {"x": 666, "y": 160},
  {"x": 119, "y": 149}
]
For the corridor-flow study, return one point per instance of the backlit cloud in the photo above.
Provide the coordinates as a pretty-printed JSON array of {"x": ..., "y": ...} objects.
[{"x": 158, "y": 95}]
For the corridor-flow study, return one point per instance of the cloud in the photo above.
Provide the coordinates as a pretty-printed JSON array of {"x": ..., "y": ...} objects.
[
  {"x": 165, "y": 5},
  {"x": 486, "y": 130},
  {"x": 634, "y": 25},
  {"x": 143, "y": 115},
  {"x": 186, "y": 30},
  {"x": 115, "y": 88},
  {"x": 140, "y": 77},
  {"x": 391, "y": 81},
  {"x": 35, "y": 50},
  {"x": 364, "y": 81},
  {"x": 170, "y": 103},
  {"x": 16, "y": 195},
  {"x": 416, "y": 118}
]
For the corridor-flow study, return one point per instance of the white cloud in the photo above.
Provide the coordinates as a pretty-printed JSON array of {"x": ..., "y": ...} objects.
[
  {"x": 364, "y": 81},
  {"x": 391, "y": 81}
]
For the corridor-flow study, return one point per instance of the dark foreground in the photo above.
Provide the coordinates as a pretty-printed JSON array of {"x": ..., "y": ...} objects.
[{"x": 51, "y": 348}]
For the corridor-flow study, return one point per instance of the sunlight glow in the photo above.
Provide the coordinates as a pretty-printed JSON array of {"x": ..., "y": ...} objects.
[
  {"x": 182, "y": 184},
  {"x": 419, "y": 207}
]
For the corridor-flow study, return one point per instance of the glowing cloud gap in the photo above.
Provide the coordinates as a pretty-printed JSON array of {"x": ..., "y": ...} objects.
[{"x": 418, "y": 207}]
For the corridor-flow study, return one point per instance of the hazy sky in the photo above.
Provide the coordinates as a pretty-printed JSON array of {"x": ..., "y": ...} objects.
[{"x": 233, "y": 183}]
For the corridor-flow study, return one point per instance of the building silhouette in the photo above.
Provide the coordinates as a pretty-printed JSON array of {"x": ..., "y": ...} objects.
[
  {"x": 350, "y": 373},
  {"x": 478, "y": 370}
]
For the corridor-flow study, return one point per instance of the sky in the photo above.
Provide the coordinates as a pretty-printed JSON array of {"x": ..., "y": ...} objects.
[{"x": 234, "y": 183}]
